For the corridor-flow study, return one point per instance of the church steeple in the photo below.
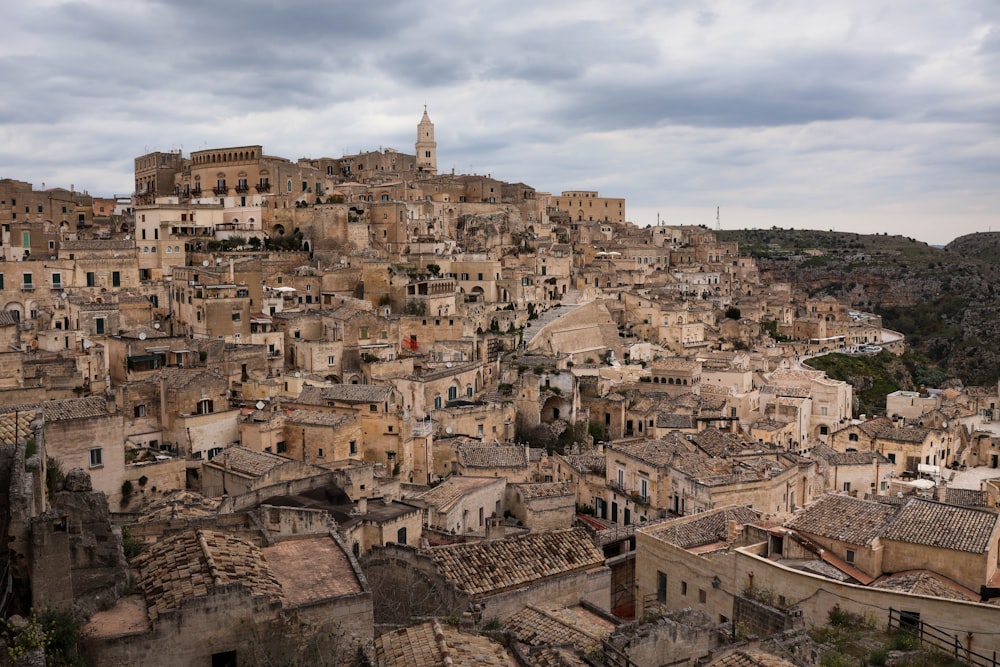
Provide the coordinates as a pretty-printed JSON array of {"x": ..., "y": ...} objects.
[{"x": 426, "y": 146}]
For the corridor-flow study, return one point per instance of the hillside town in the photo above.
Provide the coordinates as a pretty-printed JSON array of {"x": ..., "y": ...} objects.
[{"x": 353, "y": 410}]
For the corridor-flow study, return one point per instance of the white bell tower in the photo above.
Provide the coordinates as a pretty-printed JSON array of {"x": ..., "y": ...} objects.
[{"x": 426, "y": 146}]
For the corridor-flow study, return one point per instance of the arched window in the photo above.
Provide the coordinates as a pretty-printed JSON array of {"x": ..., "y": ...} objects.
[{"x": 452, "y": 393}]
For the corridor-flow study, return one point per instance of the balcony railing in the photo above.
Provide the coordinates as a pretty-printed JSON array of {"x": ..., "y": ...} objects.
[
  {"x": 263, "y": 187},
  {"x": 220, "y": 190},
  {"x": 28, "y": 287},
  {"x": 242, "y": 188},
  {"x": 195, "y": 192}
]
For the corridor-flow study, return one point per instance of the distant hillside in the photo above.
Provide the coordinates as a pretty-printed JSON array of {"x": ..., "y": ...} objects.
[
  {"x": 943, "y": 299},
  {"x": 984, "y": 246}
]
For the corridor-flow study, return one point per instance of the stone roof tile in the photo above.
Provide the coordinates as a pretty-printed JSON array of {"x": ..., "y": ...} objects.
[
  {"x": 483, "y": 568},
  {"x": 943, "y": 526},
  {"x": 844, "y": 518}
]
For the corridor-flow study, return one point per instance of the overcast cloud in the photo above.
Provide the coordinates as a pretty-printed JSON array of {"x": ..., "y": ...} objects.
[{"x": 854, "y": 115}]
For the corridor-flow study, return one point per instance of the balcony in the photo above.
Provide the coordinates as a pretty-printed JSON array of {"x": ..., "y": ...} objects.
[
  {"x": 263, "y": 187},
  {"x": 27, "y": 287},
  {"x": 242, "y": 188},
  {"x": 196, "y": 192},
  {"x": 220, "y": 190}
]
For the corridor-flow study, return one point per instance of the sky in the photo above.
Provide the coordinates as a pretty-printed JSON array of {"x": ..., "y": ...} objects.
[{"x": 869, "y": 116}]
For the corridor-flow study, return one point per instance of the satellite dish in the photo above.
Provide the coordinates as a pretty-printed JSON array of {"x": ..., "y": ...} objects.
[
  {"x": 448, "y": 430},
  {"x": 142, "y": 335},
  {"x": 260, "y": 405},
  {"x": 87, "y": 344},
  {"x": 128, "y": 238},
  {"x": 204, "y": 262},
  {"x": 298, "y": 374},
  {"x": 448, "y": 365},
  {"x": 62, "y": 295},
  {"x": 156, "y": 325}
]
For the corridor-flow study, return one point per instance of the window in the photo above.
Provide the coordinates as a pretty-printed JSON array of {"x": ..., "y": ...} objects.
[
  {"x": 373, "y": 408},
  {"x": 437, "y": 402},
  {"x": 853, "y": 437},
  {"x": 702, "y": 596},
  {"x": 29, "y": 281},
  {"x": 26, "y": 239},
  {"x": 329, "y": 361},
  {"x": 320, "y": 452},
  {"x": 282, "y": 447},
  {"x": 847, "y": 486},
  {"x": 849, "y": 556},
  {"x": 684, "y": 588},
  {"x": 116, "y": 278},
  {"x": 354, "y": 446},
  {"x": 824, "y": 430},
  {"x": 91, "y": 279},
  {"x": 99, "y": 325},
  {"x": 56, "y": 280},
  {"x": 661, "y": 587},
  {"x": 96, "y": 457},
  {"x": 1, "y": 281},
  {"x": 621, "y": 478},
  {"x": 139, "y": 411},
  {"x": 236, "y": 317},
  {"x": 891, "y": 457},
  {"x": 206, "y": 406}
]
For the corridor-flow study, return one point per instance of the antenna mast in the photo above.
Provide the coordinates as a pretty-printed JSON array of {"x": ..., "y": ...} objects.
[{"x": 718, "y": 224}]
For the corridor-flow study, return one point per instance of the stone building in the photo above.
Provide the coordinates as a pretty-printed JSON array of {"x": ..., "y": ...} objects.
[{"x": 208, "y": 597}]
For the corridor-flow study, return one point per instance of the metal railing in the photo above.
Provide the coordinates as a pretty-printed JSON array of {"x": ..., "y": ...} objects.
[{"x": 936, "y": 638}]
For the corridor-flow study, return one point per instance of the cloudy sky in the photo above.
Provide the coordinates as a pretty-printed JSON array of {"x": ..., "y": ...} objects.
[{"x": 853, "y": 115}]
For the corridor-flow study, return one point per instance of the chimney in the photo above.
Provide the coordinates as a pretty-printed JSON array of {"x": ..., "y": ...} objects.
[
  {"x": 732, "y": 531},
  {"x": 362, "y": 505},
  {"x": 495, "y": 529}
]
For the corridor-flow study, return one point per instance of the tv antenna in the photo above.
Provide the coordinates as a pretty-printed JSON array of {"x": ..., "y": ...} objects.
[{"x": 718, "y": 223}]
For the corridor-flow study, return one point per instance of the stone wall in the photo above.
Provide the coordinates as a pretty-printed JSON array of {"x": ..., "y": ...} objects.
[{"x": 756, "y": 618}]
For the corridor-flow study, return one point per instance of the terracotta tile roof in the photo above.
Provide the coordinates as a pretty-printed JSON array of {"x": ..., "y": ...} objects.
[
  {"x": 436, "y": 645},
  {"x": 673, "y": 420},
  {"x": 661, "y": 452},
  {"x": 450, "y": 490},
  {"x": 344, "y": 393},
  {"x": 483, "y": 568},
  {"x": 311, "y": 569},
  {"x": 788, "y": 391},
  {"x": 924, "y": 582},
  {"x": 844, "y": 518},
  {"x": 314, "y": 418},
  {"x": 15, "y": 425},
  {"x": 550, "y": 623},
  {"x": 178, "y": 378},
  {"x": 707, "y": 528},
  {"x": 551, "y": 656},
  {"x": 246, "y": 461},
  {"x": 966, "y": 497},
  {"x": 587, "y": 463},
  {"x": 545, "y": 489},
  {"x": 75, "y": 408},
  {"x": 943, "y": 526},
  {"x": 714, "y": 442},
  {"x": 179, "y": 504},
  {"x": 835, "y": 458},
  {"x": 492, "y": 456},
  {"x": 193, "y": 563}
]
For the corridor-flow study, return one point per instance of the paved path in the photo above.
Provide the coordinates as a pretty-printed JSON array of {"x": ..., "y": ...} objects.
[{"x": 567, "y": 305}]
